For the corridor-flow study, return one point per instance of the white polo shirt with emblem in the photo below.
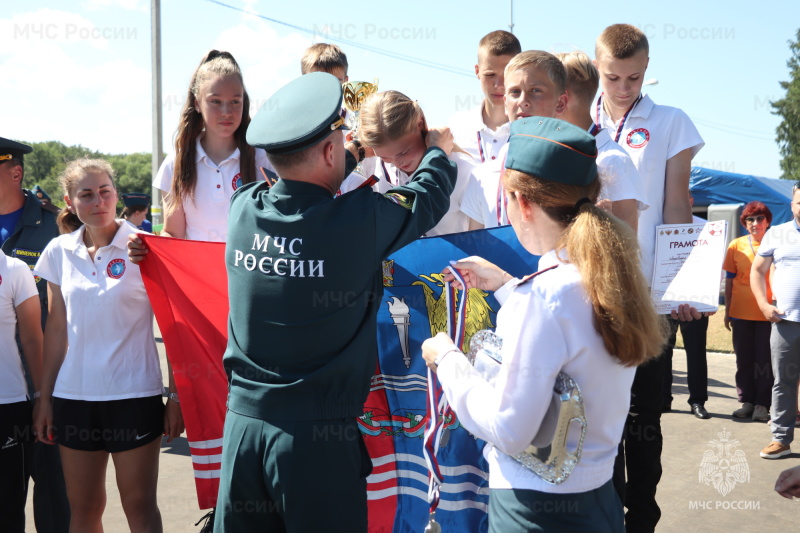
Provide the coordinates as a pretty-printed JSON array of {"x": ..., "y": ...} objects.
[
  {"x": 111, "y": 353},
  {"x": 475, "y": 137},
  {"x": 651, "y": 135},
  {"x": 16, "y": 286},
  {"x": 207, "y": 214}
]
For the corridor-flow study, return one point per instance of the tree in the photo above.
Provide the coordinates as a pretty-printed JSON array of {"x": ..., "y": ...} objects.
[
  {"x": 788, "y": 107},
  {"x": 133, "y": 172},
  {"x": 48, "y": 160}
]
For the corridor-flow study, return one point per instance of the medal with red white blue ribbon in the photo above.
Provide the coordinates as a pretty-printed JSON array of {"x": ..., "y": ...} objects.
[
  {"x": 438, "y": 410},
  {"x": 480, "y": 147}
]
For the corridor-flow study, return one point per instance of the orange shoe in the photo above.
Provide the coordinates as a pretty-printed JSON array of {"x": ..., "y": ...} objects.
[{"x": 775, "y": 450}]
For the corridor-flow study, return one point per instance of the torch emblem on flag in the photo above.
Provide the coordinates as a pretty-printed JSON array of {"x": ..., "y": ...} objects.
[{"x": 401, "y": 315}]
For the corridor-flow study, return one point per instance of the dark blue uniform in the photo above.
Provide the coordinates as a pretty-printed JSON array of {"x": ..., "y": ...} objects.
[{"x": 35, "y": 229}]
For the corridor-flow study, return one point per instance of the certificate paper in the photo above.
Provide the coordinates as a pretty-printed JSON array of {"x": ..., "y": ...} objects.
[{"x": 688, "y": 265}]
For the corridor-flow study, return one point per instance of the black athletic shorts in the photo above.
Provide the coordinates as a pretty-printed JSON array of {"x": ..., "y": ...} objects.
[{"x": 113, "y": 425}]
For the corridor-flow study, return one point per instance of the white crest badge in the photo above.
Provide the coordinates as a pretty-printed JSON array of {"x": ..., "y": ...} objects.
[{"x": 723, "y": 466}]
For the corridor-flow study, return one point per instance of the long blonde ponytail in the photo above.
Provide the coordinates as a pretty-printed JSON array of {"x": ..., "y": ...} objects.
[{"x": 606, "y": 253}]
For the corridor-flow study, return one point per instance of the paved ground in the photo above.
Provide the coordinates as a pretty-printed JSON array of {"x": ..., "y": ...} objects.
[{"x": 687, "y": 503}]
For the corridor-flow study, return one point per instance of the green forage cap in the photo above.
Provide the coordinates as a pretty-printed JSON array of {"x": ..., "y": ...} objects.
[
  {"x": 302, "y": 113},
  {"x": 553, "y": 150}
]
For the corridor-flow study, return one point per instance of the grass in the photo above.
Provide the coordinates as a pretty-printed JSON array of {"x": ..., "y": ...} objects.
[{"x": 719, "y": 338}]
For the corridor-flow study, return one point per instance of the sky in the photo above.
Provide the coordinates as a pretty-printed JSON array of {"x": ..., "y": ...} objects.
[{"x": 80, "y": 72}]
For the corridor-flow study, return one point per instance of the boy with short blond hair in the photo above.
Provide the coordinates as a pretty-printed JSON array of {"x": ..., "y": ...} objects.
[
  {"x": 535, "y": 85},
  {"x": 482, "y": 131},
  {"x": 325, "y": 57},
  {"x": 621, "y": 182},
  {"x": 661, "y": 141}
]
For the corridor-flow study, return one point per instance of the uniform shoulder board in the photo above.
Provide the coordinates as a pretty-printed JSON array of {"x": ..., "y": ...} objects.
[
  {"x": 400, "y": 199},
  {"x": 269, "y": 177},
  {"x": 50, "y": 207},
  {"x": 529, "y": 277}
]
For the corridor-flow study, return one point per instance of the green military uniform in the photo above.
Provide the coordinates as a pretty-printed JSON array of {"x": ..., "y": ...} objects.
[{"x": 305, "y": 285}]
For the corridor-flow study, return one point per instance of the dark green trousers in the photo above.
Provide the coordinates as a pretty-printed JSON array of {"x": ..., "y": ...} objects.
[
  {"x": 294, "y": 477},
  {"x": 531, "y": 511}
]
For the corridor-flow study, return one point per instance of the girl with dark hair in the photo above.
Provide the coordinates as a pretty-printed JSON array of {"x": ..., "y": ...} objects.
[{"x": 212, "y": 158}]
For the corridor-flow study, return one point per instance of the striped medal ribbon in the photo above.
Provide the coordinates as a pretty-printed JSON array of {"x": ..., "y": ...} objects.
[
  {"x": 502, "y": 202},
  {"x": 438, "y": 410},
  {"x": 622, "y": 121}
]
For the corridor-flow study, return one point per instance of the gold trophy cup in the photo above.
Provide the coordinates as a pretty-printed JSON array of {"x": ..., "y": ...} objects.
[{"x": 355, "y": 93}]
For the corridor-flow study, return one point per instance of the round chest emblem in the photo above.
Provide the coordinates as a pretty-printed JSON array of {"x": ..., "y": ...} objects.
[
  {"x": 638, "y": 138},
  {"x": 237, "y": 181},
  {"x": 116, "y": 268}
]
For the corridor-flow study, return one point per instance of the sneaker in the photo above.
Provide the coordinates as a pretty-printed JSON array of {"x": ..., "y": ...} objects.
[
  {"x": 744, "y": 411},
  {"x": 760, "y": 413},
  {"x": 775, "y": 450}
]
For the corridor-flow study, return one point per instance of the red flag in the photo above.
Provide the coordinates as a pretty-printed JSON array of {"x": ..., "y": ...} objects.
[{"x": 188, "y": 289}]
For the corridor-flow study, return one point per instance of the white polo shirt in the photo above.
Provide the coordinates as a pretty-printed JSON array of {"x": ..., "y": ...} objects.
[
  {"x": 651, "y": 135},
  {"x": 454, "y": 221},
  {"x": 475, "y": 137},
  {"x": 621, "y": 180},
  {"x": 16, "y": 286},
  {"x": 484, "y": 200},
  {"x": 207, "y": 215},
  {"x": 782, "y": 243},
  {"x": 111, "y": 352}
]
